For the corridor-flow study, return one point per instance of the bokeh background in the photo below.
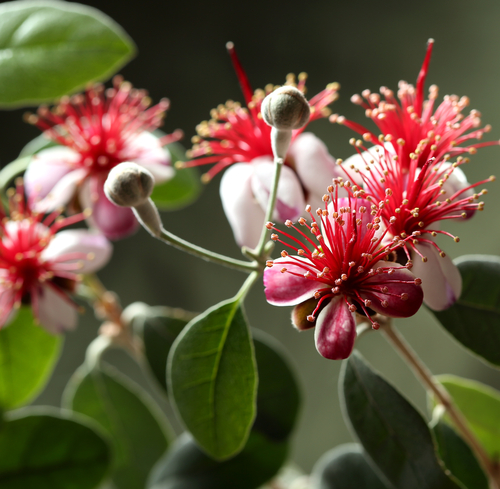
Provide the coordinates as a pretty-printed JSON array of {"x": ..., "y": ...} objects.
[{"x": 360, "y": 44}]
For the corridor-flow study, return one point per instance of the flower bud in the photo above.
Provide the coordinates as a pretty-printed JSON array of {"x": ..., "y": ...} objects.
[
  {"x": 285, "y": 109},
  {"x": 129, "y": 185}
]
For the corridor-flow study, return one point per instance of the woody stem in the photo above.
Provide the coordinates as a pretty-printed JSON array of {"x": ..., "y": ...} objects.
[{"x": 421, "y": 371}]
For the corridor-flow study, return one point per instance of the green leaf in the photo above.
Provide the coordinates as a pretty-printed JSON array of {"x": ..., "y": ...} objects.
[
  {"x": 126, "y": 413},
  {"x": 474, "y": 320},
  {"x": 278, "y": 395},
  {"x": 480, "y": 405},
  {"x": 345, "y": 467},
  {"x": 212, "y": 378},
  {"x": 28, "y": 355},
  {"x": 458, "y": 457},
  {"x": 11, "y": 171},
  {"x": 393, "y": 433},
  {"x": 158, "y": 327},
  {"x": 183, "y": 189},
  {"x": 51, "y": 48},
  {"x": 48, "y": 449},
  {"x": 186, "y": 466}
]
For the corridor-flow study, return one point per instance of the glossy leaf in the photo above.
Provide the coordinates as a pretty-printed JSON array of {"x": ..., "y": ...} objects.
[
  {"x": 392, "y": 432},
  {"x": 47, "y": 449},
  {"x": 345, "y": 467},
  {"x": 28, "y": 355},
  {"x": 212, "y": 378},
  {"x": 158, "y": 327},
  {"x": 474, "y": 320},
  {"x": 50, "y": 48},
  {"x": 186, "y": 466},
  {"x": 480, "y": 404},
  {"x": 134, "y": 424},
  {"x": 182, "y": 189},
  {"x": 458, "y": 457}
]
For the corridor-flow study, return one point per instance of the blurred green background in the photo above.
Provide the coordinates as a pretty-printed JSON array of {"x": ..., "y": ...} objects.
[{"x": 360, "y": 44}]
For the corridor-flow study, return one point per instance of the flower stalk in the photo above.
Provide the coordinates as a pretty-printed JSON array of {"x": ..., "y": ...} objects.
[{"x": 421, "y": 371}]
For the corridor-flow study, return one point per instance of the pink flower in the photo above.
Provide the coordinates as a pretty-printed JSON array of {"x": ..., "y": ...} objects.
[
  {"x": 41, "y": 266},
  {"x": 341, "y": 269},
  {"x": 238, "y": 140},
  {"x": 412, "y": 157},
  {"x": 96, "y": 131},
  {"x": 413, "y": 128}
]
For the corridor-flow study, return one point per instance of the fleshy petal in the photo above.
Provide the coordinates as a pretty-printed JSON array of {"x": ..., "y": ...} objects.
[
  {"x": 79, "y": 241},
  {"x": 441, "y": 279},
  {"x": 146, "y": 150},
  {"x": 290, "y": 199},
  {"x": 286, "y": 289},
  {"x": 62, "y": 192},
  {"x": 54, "y": 312},
  {"x": 335, "y": 330},
  {"x": 243, "y": 212},
  {"x": 403, "y": 298},
  {"x": 46, "y": 169},
  {"x": 112, "y": 221},
  {"x": 313, "y": 164}
]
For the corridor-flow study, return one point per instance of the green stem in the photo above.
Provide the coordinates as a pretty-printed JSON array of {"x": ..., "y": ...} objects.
[
  {"x": 421, "y": 371},
  {"x": 247, "y": 285},
  {"x": 207, "y": 255},
  {"x": 278, "y": 164}
]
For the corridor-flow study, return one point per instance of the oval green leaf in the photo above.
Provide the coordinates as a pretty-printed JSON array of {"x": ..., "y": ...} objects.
[
  {"x": 51, "y": 48},
  {"x": 186, "y": 466},
  {"x": 391, "y": 430},
  {"x": 158, "y": 327},
  {"x": 49, "y": 449},
  {"x": 474, "y": 320},
  {"x": 28, "y": 355},
  {"x": 345, "y": 467},
  {"x": 480, "y": 404},
  {"x": 458, "y": 457},
  {"x": 181, "y": 190},
  {"x": 212, "y": 378},
  {"x": 136, "y": 427}
]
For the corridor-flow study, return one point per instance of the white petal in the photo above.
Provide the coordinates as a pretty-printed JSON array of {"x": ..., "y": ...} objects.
[
  {"x": 62, "y": 192},
  {"x": 441, "y": 279},
  {"x": 243, "y": 212},
  {"x": 146, "y": 150},
  {"x": 54, "y": 313},
  {"x": 313, "y": 164},
  {"x": 80, "y": 241},
  {"x": 290, "y": 199},
  {"x": 46, "y": 169}
]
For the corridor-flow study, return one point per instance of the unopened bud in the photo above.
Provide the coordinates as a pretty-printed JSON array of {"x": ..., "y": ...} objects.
[
  {"x": 129, "y": 185},
  {"x": 285, "y": 109}
]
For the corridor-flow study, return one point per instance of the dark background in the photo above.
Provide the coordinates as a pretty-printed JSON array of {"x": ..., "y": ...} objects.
[{"x": 360, "y": 44}]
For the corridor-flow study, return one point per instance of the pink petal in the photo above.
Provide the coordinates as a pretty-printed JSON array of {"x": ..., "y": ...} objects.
[
  {"x": 55, "y": 313},
  {"x": 290, "y": 199},
  {"x": 441, "y": 279},
  {"x": 244, "y": 214},
  {"x": 400, "y": 281},
  {"x": 46, "y": 169},
  {"x": 112, "y": 221},
  {"x": 285, "y": 289},
  {"x": 80, "y": 241},
  {"x": 146, "y": 150},
  {"x": 313, "y": 164},
  {"x": 335, "y": 330}
]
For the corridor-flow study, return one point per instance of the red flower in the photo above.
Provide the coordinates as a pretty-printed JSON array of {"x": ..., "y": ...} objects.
[
  {"x": 40, "y": 265},
  {"x": 96, "y": 131},
  {"x": 342, "y": 269}
]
